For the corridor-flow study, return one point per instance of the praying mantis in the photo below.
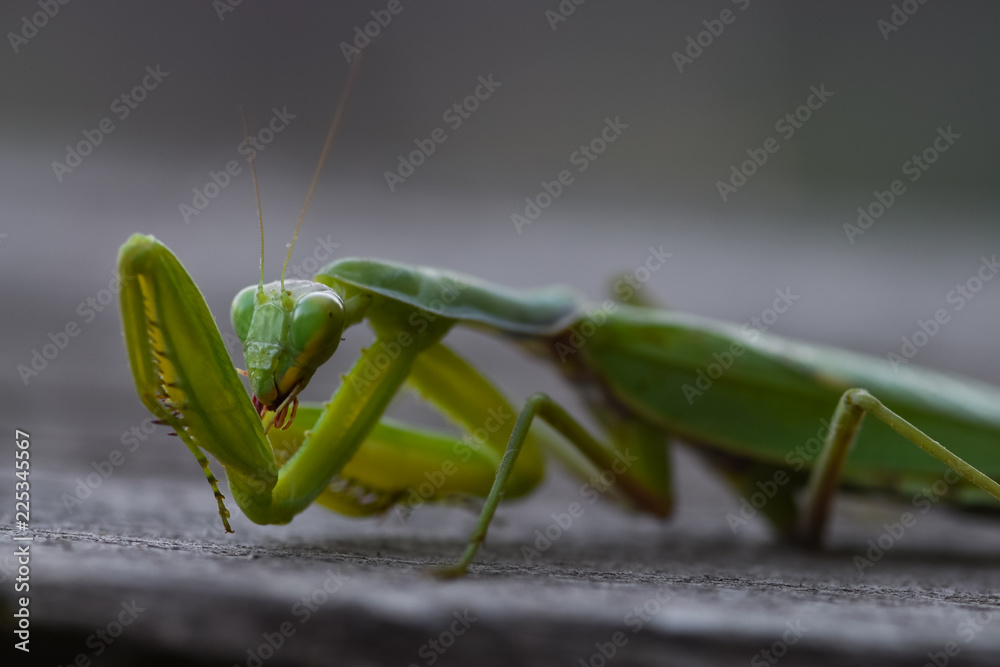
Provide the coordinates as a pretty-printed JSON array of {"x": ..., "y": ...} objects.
[{"x": 633, "y": 364}]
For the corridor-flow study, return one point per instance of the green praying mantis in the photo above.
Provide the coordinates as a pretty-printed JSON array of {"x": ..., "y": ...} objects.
[{"x": 634, "y": 365}]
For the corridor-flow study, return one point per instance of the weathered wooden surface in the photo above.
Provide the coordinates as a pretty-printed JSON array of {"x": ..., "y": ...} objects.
[{"x": 710, "y": 598}]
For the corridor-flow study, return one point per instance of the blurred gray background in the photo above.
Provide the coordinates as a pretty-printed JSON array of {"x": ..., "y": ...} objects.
[{"x": 655, "y": 185}]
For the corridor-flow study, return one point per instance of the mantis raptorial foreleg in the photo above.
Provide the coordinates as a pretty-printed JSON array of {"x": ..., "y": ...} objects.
[{"x": 844, "y": 428}]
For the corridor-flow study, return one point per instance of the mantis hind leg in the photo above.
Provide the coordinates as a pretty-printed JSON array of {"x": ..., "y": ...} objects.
[
  {"x": 618, "y": 462},
  {"x": 851, "y": 409}
]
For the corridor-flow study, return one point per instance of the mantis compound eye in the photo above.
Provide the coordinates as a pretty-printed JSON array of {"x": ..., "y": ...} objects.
[
  {"x": 241, "y": 312},
  {"x": 316, "y": 326}
]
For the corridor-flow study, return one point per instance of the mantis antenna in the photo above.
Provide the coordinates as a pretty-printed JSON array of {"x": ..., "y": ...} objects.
[
  {"x": 352, "y": 77},
  {"x": 256, "y": 189}
]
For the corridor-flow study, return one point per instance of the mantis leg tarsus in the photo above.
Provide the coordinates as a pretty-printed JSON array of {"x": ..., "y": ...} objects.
[
  {"x": 851, "y": 409},
  {"x": 214, "y": 482}
]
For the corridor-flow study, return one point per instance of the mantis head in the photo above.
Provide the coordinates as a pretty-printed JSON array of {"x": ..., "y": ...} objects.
[{"x": 286, "y": 334}]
